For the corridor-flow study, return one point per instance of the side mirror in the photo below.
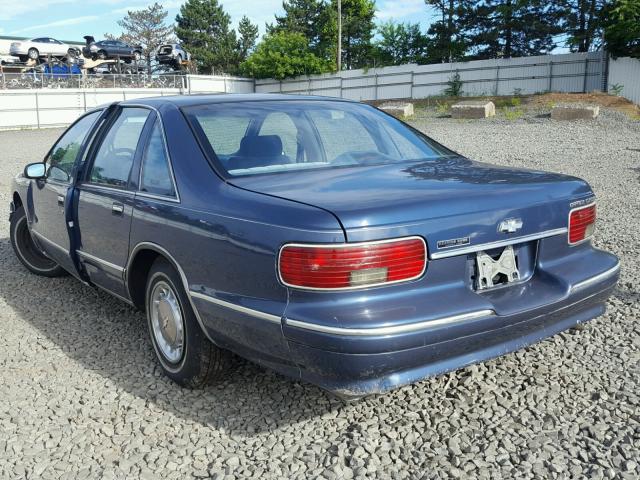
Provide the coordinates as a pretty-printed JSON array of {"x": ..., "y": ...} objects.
[{"x": 35, "y": 171}]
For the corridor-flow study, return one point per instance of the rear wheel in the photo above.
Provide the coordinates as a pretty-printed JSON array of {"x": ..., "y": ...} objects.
[
  {"x": 185, "y": 354},
  {"x": 33, "y": 54},
  {"x": 102, "y": 55},
  {"x": 136, "y": 56},
  {"x": 27, "y": 251}
]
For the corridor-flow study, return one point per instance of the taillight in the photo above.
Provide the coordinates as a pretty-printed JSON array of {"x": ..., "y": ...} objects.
[
  {"x": 582, "y": 223},
  {"x": 349, "y": 266}
]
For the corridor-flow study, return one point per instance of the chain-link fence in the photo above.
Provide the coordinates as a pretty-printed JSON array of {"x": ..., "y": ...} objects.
[{"x": 38, "y": 80}]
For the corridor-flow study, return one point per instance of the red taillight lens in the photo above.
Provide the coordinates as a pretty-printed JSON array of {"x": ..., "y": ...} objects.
[
  {"x": 582, "y": 223},
  {"x": 352, "y": 266}
]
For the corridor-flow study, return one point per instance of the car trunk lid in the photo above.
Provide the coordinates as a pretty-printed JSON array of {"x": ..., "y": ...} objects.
[{"x": 452, "y": 202}]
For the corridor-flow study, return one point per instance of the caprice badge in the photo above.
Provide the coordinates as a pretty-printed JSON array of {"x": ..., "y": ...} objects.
[{"x": 510, "y": 225}]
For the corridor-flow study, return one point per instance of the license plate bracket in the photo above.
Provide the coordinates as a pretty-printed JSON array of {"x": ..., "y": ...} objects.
[{"x": 492, "y": 272}]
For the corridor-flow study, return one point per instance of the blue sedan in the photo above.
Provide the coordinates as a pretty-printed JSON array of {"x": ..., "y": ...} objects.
[{"x": 321, "y": 238}]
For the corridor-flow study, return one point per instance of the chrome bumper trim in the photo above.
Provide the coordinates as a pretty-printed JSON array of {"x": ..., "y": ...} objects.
[
  {"x": 392, "y": 329},
  {"x": 502, "y": 243},
  {"x": 596, "y": 278},
  {"x": 238, "y": 308}
]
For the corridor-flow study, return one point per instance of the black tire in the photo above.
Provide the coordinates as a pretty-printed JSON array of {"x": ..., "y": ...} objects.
[
  {"x": 200, "y": 361},
  {"x": 72, "y": 52},
  {"x": 33, "y": 53},
  {"x": 27, "y": 251},
  {"x": 102, "y": 55},
  {"x": 137, "y": 56}
]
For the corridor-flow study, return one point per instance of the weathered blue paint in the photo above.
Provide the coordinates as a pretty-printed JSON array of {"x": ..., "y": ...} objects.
[{"x": 224, "y": 235}]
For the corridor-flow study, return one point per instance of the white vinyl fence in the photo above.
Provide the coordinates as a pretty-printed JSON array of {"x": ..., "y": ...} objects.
[
  {"x": 52, "y": 107},
  {"x": 573, "y": 72},
  {"x": 58, "y": 107},
  {"x": 626, "y": 73}
]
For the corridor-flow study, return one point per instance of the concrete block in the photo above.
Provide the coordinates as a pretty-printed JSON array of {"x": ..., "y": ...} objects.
[
  {"x": 574, "y": 111},
  {"x": 400, "y": 110},
  {"x": 473, "y": 109}
]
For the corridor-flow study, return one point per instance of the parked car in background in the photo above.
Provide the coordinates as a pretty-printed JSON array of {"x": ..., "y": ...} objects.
[
  {"x": 111, "y": 49},
  {"x": 7, "y": 60},
  {"x": 41, "y": 47},
  {"x": 319, "y": 237},
  {"x": 172, "y": 54}
]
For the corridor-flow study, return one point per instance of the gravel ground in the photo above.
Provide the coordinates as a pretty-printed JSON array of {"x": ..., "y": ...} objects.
[{"x": 81, "y": 395}]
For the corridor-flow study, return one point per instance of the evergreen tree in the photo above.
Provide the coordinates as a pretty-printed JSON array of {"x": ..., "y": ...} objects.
[
  {"x": 204, "y": 28},
  {"x": 301, "y": 16},
  {"x": 514, "y": 28},
  {"x": 584, "y": 22},
  {"x": 446, "y": 36},
  {"x": 358, "y": 28},
  {"x": 248, "y": 33}
]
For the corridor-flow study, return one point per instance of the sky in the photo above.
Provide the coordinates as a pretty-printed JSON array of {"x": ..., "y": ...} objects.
[{"x": 72, "y": 19}]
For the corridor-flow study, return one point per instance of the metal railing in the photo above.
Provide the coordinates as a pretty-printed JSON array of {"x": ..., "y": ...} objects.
[{"x": 40, "y": 80}]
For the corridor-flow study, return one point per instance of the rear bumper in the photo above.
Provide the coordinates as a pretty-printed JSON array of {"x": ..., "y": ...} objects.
[{"x": 352, "y": 363}]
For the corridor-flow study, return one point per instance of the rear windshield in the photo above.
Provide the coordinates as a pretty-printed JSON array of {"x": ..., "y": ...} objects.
[{"x": 250, "y": 138}]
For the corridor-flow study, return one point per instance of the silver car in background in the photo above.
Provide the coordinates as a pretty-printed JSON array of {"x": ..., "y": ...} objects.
[
  {"x": 172, "y": 53},
  {"x": 41, "y": 47}
]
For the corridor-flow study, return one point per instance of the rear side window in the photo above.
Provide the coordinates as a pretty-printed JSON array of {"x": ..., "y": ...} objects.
[
  {"x": 155, "y": 177},
  {"x": 114, "y": 158},
  {"x": 65, "y": 152}
]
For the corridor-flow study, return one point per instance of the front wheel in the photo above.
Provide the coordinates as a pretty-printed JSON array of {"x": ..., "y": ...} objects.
[
  {"x": 27, "y": 251},
  {"x": 185, "y": 354},
  {"x": 136, "y": 56}
]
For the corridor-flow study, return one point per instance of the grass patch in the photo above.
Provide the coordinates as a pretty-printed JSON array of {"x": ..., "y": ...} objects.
[{"x": 512, "y": 113}]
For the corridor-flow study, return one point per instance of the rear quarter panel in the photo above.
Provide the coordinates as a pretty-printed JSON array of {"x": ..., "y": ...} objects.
[{"x": 226, "y": 241}]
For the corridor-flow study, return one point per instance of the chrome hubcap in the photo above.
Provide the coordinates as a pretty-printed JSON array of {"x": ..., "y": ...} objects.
[{"x": 167, "y": 322}]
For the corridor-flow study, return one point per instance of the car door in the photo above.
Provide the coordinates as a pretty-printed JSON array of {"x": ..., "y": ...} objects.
[
  {"x": 47, "y": 199},
  {"x": 106, "y": 197},
  {"x": 57, "y": 47}
]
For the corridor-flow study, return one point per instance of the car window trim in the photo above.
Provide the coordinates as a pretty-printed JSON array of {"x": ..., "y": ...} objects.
[
  {"x": 171, "y": 198},
  {"x": 98, "y": 143}
]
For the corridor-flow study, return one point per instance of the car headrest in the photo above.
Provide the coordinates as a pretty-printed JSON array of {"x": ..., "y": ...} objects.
[{"x": 261, "y": 146}]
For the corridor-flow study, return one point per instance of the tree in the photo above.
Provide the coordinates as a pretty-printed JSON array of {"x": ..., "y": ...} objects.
[
  {"x": 446, "y": 37},
  {"x": 400, "y": 43},
  {"x": 283, "y": 54},
  {"x": 204, "y": 28},
  {"x": 248, "y": 33},
  {"x": 622, "y": 33},
  {"x": 584, "y": 22},
  {"x": 514, "y": 28},
  {"x": 146, "y": 28},
  {"x": 301, "y": 16},
  {"x": 358, "y": 28}
]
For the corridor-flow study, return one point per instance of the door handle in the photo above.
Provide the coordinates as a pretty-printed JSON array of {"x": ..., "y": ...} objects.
[
  {"x": 117, "y": 208},
  {"x": 60, "y": 200}
]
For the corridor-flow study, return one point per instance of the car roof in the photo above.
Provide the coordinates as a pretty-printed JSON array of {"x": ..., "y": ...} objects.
[{"x": 209, "y": 99}]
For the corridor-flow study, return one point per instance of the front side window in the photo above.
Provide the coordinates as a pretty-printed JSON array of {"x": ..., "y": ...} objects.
[
  {"x": 65, "y": 152},
  {"x": 255, "y": 137},
  {"x": 155, "y": 177},
  {"x": 114, "y": 158}
]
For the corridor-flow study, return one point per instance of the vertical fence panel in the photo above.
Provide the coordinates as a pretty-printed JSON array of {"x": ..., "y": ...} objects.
[{"x": 626, "y": 73}]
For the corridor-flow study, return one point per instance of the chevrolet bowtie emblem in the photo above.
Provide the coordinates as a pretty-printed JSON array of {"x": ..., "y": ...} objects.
[{"x": 510, "y": 225}]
